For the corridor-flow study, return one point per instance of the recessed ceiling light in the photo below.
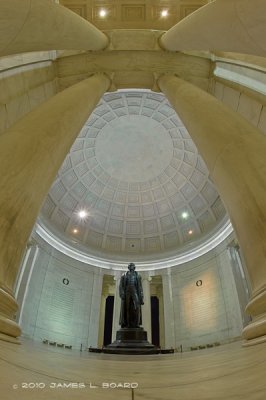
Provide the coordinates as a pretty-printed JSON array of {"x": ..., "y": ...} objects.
[
  {"x": 164, "y": 13},
  {"x": 190, "y": 232},
  {"x": 184, "y": 214},
  {"x": 102, "y": 13},
  {"x": 83, "y": 214},
  {"x": 75, "y": 230}
]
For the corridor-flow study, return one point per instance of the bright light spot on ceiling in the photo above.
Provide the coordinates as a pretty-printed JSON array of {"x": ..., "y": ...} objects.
[
  {"x": 190, "y": 232},
  {"x": 164, "y": 13},
  {"x": 102, "y": 13},
  {"x": 184, "y": 214},
  {"x": 83, "y": 214}
]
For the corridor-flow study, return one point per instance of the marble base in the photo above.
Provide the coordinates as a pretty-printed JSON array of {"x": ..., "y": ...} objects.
[
  {"x": 253, "y": 342},
  {"x": 131, "y": 341},
  {"x": 7, "y": 338}
]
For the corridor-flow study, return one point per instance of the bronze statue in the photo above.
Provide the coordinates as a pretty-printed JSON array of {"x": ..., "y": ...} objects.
[{"x": 131, "y": 294}]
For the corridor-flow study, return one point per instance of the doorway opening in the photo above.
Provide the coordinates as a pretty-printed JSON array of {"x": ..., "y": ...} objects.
[{"x": 108, "y": 320}]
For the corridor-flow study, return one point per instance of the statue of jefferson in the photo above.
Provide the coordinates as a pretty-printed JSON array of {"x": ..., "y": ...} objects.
[{"x": 131, "y": 294}]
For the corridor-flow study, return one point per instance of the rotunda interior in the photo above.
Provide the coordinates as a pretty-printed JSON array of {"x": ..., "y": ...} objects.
[{"x": 133, "y": 131}]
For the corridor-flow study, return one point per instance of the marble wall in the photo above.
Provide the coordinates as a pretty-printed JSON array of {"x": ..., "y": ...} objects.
[
  {"x": 243, "y": 89},
  {"x": 26, "y": 80},
  {"x": 61, "y": 299},
  {"x": 205, "y": 304}
]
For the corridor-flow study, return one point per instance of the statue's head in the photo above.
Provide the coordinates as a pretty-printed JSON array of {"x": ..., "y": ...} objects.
[{"x": 131, "y": 267}]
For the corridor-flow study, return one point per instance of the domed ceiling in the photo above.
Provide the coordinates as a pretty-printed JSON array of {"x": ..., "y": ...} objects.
[{"x": 137, "y": 174}]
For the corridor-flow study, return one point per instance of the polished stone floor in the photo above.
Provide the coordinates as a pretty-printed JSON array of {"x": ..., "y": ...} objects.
[{"x": 37, "y": 371}]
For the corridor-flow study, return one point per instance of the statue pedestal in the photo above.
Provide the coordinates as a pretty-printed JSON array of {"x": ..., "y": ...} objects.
[{"x": 131, "y": 341}]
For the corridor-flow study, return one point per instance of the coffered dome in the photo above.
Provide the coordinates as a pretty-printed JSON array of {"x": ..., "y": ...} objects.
[{"x": 137, "y": 174}]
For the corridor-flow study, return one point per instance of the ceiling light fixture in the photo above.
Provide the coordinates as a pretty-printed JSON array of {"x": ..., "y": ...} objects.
[
  {"x": 102, "y": 13},
  {"x": 83, "y": 214},
  {"x": 190, "y": 232},
  {"x": 164, "y": 13},
  {"x": 75, "y": 230},
  {"x": 184, "y": 214}
]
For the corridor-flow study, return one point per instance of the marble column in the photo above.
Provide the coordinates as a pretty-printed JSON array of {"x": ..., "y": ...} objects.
[
  {"x": 146, "y": 308},
  {"x": 102, "y": 318},
  {"x": 161, "y": 319},
  {"x": 168, "y": 311},
  {"x": 117, "y": 305},
  {"x": 21, "y": 274},
  {"x": 31, "y": 152},
  {"x": 94, "y": 323},
  {"x": 44, "y": 25},
  {"x": 26, "y": 278},
  {"x": 234, "y": 152},
  {"x": 224, "y": 25},
  {"x": 240, "y": 277}
]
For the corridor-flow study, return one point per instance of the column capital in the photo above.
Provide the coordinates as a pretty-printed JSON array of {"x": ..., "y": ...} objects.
[
  {"x": 146, "y": 277},
  {"x": 110, "y": 77}
]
